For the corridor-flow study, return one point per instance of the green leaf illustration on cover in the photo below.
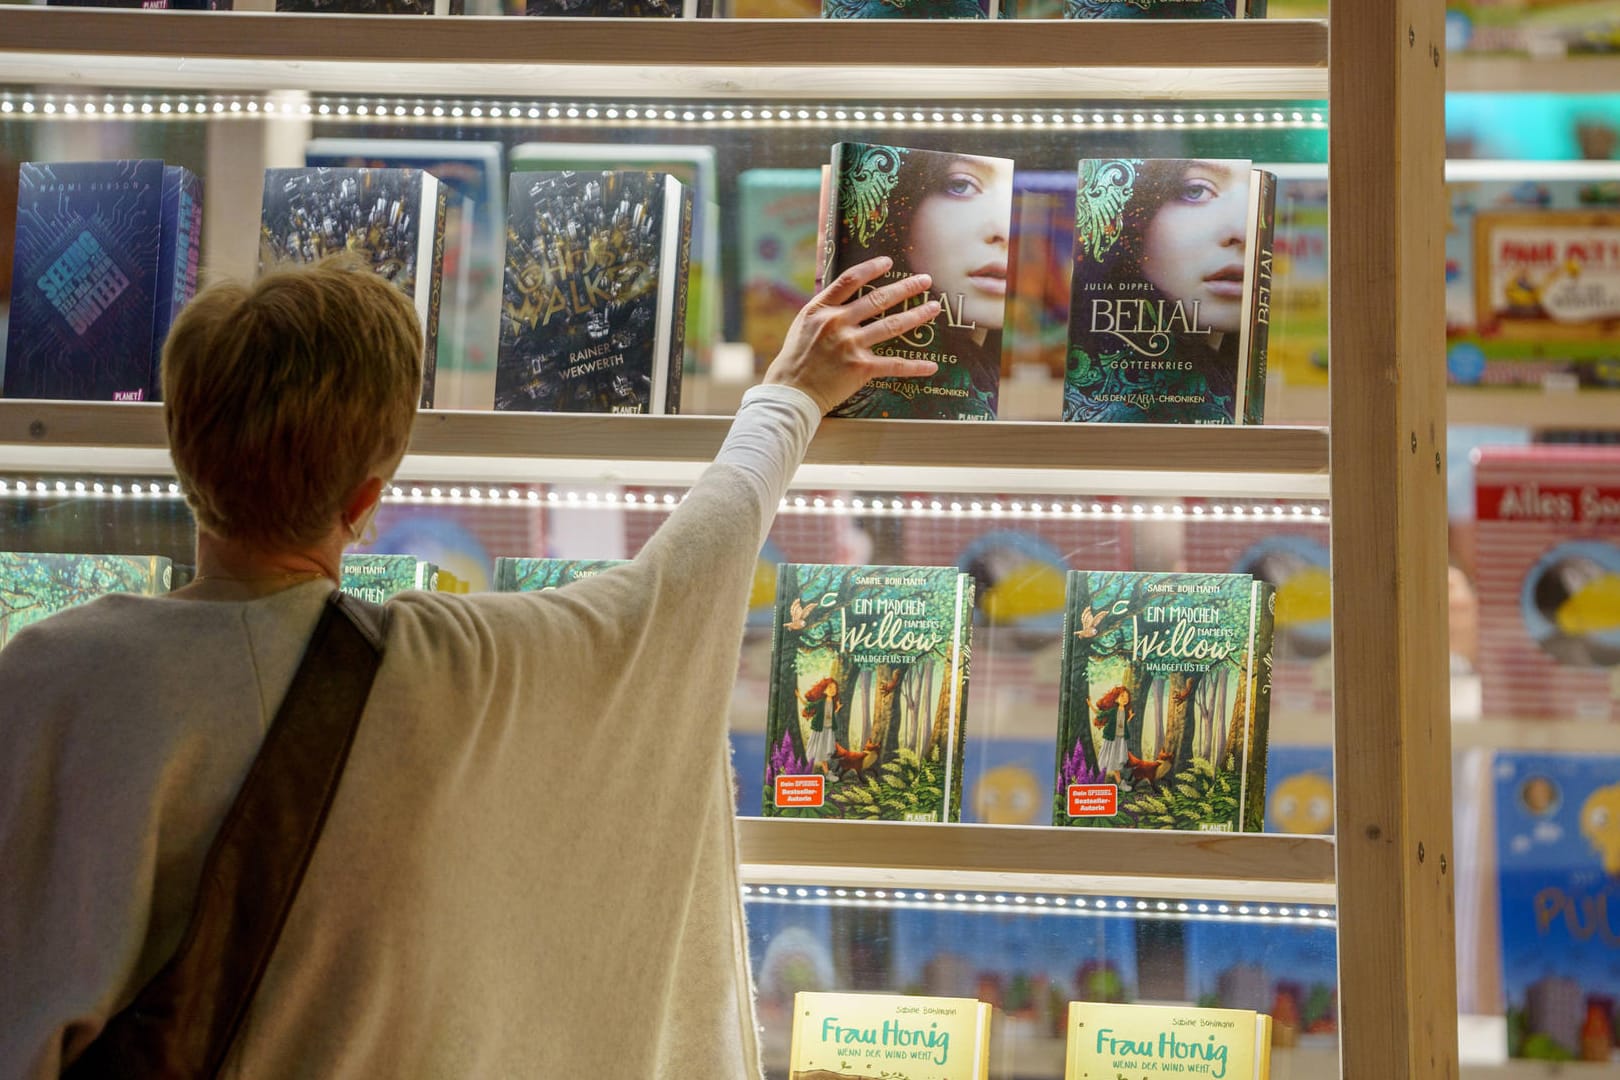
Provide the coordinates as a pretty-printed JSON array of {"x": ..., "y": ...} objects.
[
  {"x": 33, "y": 586},
  {"x": 379, "y": 578},
  {"x": 537, "y": 575},
  {"x": 863, "y": 195},
  {"x": 1099, "y": 204}
]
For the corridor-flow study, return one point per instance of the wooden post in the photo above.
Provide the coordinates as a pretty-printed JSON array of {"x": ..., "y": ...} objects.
[{"x": 1397, "y": 966}]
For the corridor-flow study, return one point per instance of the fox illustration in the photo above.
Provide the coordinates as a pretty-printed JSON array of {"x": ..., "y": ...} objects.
[
  {"x": 856, "y": 761},
  {"x": 1151, "y": 771}
]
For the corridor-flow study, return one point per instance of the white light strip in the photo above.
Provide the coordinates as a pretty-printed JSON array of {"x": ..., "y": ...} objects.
[
  {"x": 1001, "y": 903},
  {"x": 514, "y": 112}
]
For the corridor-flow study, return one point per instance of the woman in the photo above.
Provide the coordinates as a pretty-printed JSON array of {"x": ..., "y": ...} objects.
[{"x": 530, "y": 865}]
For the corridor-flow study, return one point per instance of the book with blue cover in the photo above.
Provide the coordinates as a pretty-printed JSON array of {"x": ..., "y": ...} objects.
[
  {"x": 522, "y": 574},
  {"x": 90, "y": 272},
  {"x": 594, "y": 301},
  {"x": 379, "y": 578},
  {"x": 777, "y": 211},
  {"x": 179, "y": 254},
  {"x": 34, "y": 585}
]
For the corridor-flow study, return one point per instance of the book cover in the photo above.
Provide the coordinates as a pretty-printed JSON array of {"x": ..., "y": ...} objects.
[
  {"x": 379, "y": 578},
  {"x": 888, "y": 1037},
  {"x": 622, "y": 9},
  {"x": 1135, "y": 1042},
  {"x": 777, "y": 225},
  {"x": 393, "y": 219},
  {"x": 1558, "y": 875},
  {"x": 947, "y": 215},
  {"x": 373, "y": 7},
  {"x": 1297, "y": 346},
  {"x": 85, "y": 278},
  {"x": 909, "y": 9},
  {"x": 1039, "y": 273},
  {"x": 1155, "y": 9},
  {"x": 1287, "y": 972},
  {"x": 868, "y": 692},
  {"x": 1159, "y": 717},
  {"x": 179, "y": 250},
  {"x": 33, "y": 586},
  {"x": 1260, "y": 233},
  {"x": 1299, "y": 785},
  {"x": 591, "y": 314},
  {"x": 517, "y": 574},
  {"x": 1547, "y": 571},
  {"x": 1157, "y": 302}
]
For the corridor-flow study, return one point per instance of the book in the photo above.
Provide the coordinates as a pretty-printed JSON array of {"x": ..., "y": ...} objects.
[
  {"x": 1297, "y": 344},
  {"x": 1164, "y": 703},
  {"x": 1547, "y": 566},
  {"x": 1038, "y": 274},
  {"x": 379, "y": 578},
  {"x": 777, "y": 216},
  {"x": 1260, "y": 231},
  {"x": 622, "y": 9},
  {"x": 888, "y": 1037},
  {"x": 105, "y": 254},
  {"x": 1164, "y": 9},
  {"x": 910, "y": 9},
  {"x": 373, "y": 7},
  {"x": 945, "y": 214},
  {"x": 594, "y": 302},
  {"x": 868, "y": 693},
  {"x": 475, "y": 225},
  {"x": 1162, "y": 302},
  {"x": 393, "y": 219},
  {"x": 1116, "y": 1042},
  {"x": 33, "y": 585},
  {"x": 1300, "y": 782},
  {"x": 536, "y": 575}
]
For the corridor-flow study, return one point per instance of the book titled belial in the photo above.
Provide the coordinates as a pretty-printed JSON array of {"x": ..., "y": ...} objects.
[
  {"x": 393, "y": 219},
  {"x": 106, "y": 255},
  {"x": 1164, "y": 702},
  {"x": 1170, "y": 297},
  {"x": 1138, "y": 1042},
  {"x": 888, "y": 1037},
  {"x": 594, "y": 303},
  {"x": 868, "y": 692},
  {"x": 379, "y": 578},
  {"x": 947, "y": 215},
  {"x": 536, "y": 574},
  {"x": 33, "y": 585}
]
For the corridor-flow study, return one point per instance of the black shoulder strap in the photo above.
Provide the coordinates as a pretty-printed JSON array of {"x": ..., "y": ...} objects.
[{"x": 183, "y": 1021}]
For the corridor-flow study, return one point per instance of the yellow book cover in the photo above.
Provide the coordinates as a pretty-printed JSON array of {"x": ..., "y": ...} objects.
[
  {"x": 1151, "y": 1042},
  {"x": 888, "y": 1037}
]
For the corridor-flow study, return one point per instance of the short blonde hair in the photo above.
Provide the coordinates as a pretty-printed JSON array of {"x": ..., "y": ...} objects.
[{"x": 281, "y": 397}]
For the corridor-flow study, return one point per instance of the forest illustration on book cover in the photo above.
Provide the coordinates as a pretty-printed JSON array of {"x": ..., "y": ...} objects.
[
  {"x": 538, "y": 575},
  {"x": 34, "y": 586},
  {"x": 1158, "y": 676},
  {"x": 309, "y": 214},
  {"x": 867, "y": 692}
]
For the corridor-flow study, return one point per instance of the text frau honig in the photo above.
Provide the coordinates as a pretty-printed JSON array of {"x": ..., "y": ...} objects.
[
  {"x": 891, "y": 1034},
  {"x": 1170, "y": 1047}
]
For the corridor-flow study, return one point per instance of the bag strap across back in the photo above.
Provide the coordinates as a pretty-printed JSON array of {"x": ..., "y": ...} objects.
[{"x": 183, "y": 1021}]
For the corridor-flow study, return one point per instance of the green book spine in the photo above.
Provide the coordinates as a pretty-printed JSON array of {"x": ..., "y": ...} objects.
[
  {"x": 1260, "y": 270},
  {"x": 964, "y": 674},
  {"x": 1254, "y": 774}
]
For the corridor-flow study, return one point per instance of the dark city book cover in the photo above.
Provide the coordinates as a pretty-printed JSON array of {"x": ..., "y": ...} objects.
[{"x": 180, "y": 249}]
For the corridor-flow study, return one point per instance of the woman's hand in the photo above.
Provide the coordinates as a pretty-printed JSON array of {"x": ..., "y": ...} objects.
[{"x": 828, "y": 351}]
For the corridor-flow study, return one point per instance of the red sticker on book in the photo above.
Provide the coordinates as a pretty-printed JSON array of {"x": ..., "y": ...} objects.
[
  {"x": 1093, "y": 800},
  {"x": 799, "y": 790}
]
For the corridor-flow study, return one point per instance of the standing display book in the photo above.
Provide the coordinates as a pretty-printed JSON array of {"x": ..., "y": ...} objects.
[
  {"x": 1165, "y": 702},
  {"x": 373, "y": 7},
  {"x": 514, "y": 574},
  {"x": 1165, "y": 303},
  {"x": 1164, "y": 9},
  {"x": 945, "y": 214},
  {"x": 393, "y": 219},
  {"x": 1135, "y": 1042},
  {"x": 105, "y": 256},
  {"x": 593, "y": 308},
  {"x": 33, "y": 586},
  {"x": 888, "y": 1037},
  {"x": 910, "y": 9},
  {"x": 378, "y": 578},
  {"x": 868, "y": 693}
]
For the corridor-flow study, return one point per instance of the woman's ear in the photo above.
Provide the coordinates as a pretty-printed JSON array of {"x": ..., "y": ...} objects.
[{"x": 362, "y": 500}]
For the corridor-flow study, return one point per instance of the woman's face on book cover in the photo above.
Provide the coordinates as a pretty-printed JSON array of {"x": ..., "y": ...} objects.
[
  {"x": 959, "y": 236},
  {"x": 1194, "y": 246}
]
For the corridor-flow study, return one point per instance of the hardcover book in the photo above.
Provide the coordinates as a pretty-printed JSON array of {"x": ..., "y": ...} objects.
[
  {"x": 1162, "y": 302},
  {"x": 1558, "y": 875},
  {"x": 1164, "y": 9},
  {"x": 593, "y": 308},
  {"x": 103, "y": 259},
  {"x": 1124, "y": 1042},
  {"x": 537, "y": 575},
  {"x": 379, "y": 578},
  {"x": 947, "y": 215},
  {"x": 888, "y": 1037},
  {"x": 1547, "y": 539},
  {"x": 393, "y": 219},
  {"x": 1038, "y": 274},
  {"x": 1298, "y": 342},
  {"x": 910, "y": 9},
  {"x": 1164, "y": 705},
  {"x": 622, "y": 9},
  {"x": 868, "y": 694},
  {"x": 33, "y": 586},
  {"x": 777, "y": 213}
]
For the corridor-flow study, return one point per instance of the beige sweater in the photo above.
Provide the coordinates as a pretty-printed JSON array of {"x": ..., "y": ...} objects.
[{"x": 530, "y": 868}]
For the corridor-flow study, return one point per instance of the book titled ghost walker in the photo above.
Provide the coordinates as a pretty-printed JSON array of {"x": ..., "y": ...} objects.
[
  {"x": 868, "y": 692},
  {"x": 1144, "y": 1042},
  {"x": 594, "y": 304},
  {"x": 888, "y": 1037},
  {"x": 1165, "y": 699}
]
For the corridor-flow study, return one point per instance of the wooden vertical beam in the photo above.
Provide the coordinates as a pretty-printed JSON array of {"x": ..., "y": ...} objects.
[{"x": 1397, "y": 974}]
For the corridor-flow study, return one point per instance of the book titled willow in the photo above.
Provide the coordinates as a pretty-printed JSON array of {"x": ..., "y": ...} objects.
[
  {"x": 593, "y": 309},
  {"x": 868, "y": 692},
  {"x": 949, "y": 216},
  {"x": 379, "y": 578},
  {"x": 1125, "y": 1042},
  {"x": 1164, "y": 702},
  {"x": 515, "y": 574},
  {"x": 393, "y": 219},
  {"x": 1165, "y": 306},
  {"x": 888, "y": 1037},
  {"x": 33, "y": 586}
]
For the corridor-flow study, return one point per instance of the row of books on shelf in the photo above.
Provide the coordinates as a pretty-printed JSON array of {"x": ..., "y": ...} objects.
[{"x": 704, "y": 9}]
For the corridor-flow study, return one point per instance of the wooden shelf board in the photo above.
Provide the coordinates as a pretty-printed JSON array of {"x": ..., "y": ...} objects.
[
  {"x": 1009, "y": 858},
  {"x": 1564, "y": 410},
  {"x": 1524, "y": 74}
]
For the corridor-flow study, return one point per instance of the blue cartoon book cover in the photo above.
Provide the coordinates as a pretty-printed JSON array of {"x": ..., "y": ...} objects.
[
  {"x": 85, "y": 278},
  {"x": 519, "y": 574},
  {"x": 33, "y": 586},
  {"x": 379, "y": 578},
  {"x": 1558, "y": 865},
  {"x": 1299, "y": 790}
]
